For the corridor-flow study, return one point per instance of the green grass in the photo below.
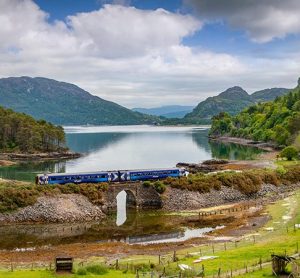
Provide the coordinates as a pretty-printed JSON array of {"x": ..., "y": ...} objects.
[
  {"x": 247, "y": 252},
  {"x": 286, "y": 163},
  {"x": 50, "y": 274}
]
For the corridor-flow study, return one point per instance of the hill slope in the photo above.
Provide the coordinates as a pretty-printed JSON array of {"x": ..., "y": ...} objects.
[
  {"x": 268, "y": 94},
  {"x": 232, "y": 101},
  {"x": 169, "y": 111},
  {"x": 63, "y": 103},
  {"x": 277, "y": 121}
]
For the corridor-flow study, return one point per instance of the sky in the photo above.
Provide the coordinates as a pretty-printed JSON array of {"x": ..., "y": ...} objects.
[{"x": 148, "y": 53}]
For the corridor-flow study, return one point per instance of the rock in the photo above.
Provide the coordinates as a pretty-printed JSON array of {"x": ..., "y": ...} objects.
[
  {"x": 176, "y": 199},
  {"x": 215, "y": 161}
]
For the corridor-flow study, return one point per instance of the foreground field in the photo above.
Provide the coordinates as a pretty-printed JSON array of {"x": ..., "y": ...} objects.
[{"x": 236, "y": 255}]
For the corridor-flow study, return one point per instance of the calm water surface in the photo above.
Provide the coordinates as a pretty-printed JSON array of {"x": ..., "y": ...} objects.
[{"x": 132, "y": 147}]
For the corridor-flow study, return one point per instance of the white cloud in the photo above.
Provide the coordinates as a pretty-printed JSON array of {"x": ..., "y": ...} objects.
[
  {"x": 118, "y": 31},
  {"x": 130, "y": 56},
  {"x": 263, "y": 20}
]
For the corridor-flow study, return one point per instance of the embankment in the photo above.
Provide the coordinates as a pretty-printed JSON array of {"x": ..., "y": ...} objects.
[
  {"x": 177, "y": 199},
  {"x": 65, "y": 208}
]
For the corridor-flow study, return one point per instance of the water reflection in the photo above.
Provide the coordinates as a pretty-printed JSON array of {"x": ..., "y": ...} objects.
[
  {"x": 91, "y": 142},
  {"x": 121, "y": 208},
  {"x": 233, "y": 151},
  {"x": 143, "y": 227},
  {"x": 27, "y": 170}
]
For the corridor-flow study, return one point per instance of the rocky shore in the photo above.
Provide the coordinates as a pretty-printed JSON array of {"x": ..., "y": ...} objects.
[
  {"x": 176, "y": 199},
  {"x": 246, "y": 142},
  {"x": 65, "y": 208},
  {"x": 38, "y": 156}
]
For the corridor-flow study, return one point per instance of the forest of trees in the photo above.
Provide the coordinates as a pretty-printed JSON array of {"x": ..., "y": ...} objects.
[
  {"x": 21, "y": 133},
  {"x": 277, "y": 121}
]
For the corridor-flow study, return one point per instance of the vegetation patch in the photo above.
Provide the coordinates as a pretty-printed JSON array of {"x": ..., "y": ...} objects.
[
  {"x": 14, "y": 195},
  {"x": 248, "y": 182},
  {"x": 21, "y": 133},
  {"x": 276, "y": 122}
]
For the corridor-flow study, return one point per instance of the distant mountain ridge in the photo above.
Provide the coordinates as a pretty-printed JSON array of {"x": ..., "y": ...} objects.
[
  {"x": 168, "y": 111},
  {"x": 64, "y": 103},
  {"x": 232, "y": 101}
]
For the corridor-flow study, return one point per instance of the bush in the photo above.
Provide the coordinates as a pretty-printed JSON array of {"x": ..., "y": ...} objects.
[
  {"x": 81, "y": 271},
  {"x": 289, "y": 153},
  {"x": 97, "y": 269},
  {"x": 159, "y": 187},
  {"x": 146, "y": 184}
]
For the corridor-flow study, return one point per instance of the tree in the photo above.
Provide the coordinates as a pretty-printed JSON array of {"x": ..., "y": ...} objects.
[
  {"x": 297, "y": 142},
  {"x": 289, "y": 153}
]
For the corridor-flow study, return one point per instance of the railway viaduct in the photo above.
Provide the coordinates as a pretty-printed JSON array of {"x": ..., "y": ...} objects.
[{"x": 138, "y": 196}]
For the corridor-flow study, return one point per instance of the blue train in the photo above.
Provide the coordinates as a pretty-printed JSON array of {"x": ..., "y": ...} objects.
[{"x": 110, "y": 176}]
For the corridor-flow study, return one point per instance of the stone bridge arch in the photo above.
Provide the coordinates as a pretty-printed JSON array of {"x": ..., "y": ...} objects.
[{"x": 138, "y": 196}]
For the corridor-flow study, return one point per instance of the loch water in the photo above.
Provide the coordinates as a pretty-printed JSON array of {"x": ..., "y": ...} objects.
[{"x": 132, "y": 147}]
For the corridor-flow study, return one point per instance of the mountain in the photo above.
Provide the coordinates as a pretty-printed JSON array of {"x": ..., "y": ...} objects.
[
  {"x": 269, "y": 94},
  {"x": 232, "y": 101},
  {"x": 170, "y": 111},
  {"x": 64, "y": 103},
  {"x": 276, "y": 121}
]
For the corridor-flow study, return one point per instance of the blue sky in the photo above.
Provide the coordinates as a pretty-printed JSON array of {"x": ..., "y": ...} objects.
[{"x": 150, "y": 53}]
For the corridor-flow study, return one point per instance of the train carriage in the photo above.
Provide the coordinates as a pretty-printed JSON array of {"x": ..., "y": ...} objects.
[{"x": 110, "y": 176}]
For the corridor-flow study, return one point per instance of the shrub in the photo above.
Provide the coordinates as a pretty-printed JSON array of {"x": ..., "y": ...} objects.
[
  {"x": 98, "y": 269},
  {"x": 289, "y": 153},
  {"x": 12, "y": 198},
  {"x": 280, "y": 170},
  {"x": 292, "y": 175},
  {"x": 159, "y": 187},
  {"x": 146, "y": 184},
  {"x": 81, "y": 271}
]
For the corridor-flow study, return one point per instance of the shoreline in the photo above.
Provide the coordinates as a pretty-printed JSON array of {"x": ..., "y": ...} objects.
[
  {"x": 246, "y": 142},
  {"x": 12, "y": 158}
]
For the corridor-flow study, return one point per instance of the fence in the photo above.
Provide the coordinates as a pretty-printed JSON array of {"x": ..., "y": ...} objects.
[{"x": 166, "y": 264}]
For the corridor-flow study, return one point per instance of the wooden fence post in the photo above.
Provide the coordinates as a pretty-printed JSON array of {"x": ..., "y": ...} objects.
[
  {"x": 260, "y": 262},
  {"x": 117, "y": 263},
  {"x": 174, "y": 256}
]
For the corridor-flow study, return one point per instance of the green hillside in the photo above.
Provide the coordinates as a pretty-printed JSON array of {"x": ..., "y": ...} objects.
[
  {"x": 20, "y": 132},
  {"x": 232, "y": 101},
  {"x": 277, "y": 121},
  {"x": 64, "y": 103}
]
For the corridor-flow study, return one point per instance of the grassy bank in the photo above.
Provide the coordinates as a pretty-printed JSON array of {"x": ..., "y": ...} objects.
[
  {"x": 14, "y": 194},
  {"x": 247, "y": 181}
]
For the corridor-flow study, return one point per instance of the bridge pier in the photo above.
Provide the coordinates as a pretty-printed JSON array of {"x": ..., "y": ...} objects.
[{"x": 138, "y": 196}]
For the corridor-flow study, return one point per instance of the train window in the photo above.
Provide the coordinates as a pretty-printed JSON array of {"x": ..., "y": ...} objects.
[{"x": 103, "y": 176}]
